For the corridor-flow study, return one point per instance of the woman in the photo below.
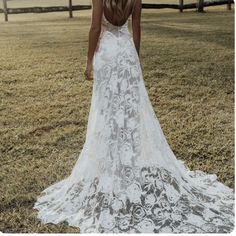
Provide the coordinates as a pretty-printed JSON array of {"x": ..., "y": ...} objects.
[{"x": 126, "y": 178}]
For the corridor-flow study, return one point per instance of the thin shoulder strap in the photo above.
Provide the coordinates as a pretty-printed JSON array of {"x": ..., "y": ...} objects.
[{"x": 103, "y": 2}]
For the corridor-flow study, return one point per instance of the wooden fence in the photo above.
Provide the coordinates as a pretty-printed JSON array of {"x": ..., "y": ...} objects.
[{"x": 199, "y": 5}]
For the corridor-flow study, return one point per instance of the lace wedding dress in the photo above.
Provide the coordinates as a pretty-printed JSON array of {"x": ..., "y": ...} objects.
[{"x": 127, "y": 179}]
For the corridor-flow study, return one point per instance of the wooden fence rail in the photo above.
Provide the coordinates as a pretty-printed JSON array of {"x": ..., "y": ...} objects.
[
  {"x": 184, "y": 6},
  {"x": 72, "y": 8},
  {"x": 44, "y": 9}
]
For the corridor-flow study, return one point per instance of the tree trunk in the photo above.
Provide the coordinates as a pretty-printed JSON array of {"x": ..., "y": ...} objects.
[
  {"x": 5, "y": 10},
  {"x": 200, "y": 5},
  {"x": 70, "y": 9},
  {"x": 181, "y": 5}
]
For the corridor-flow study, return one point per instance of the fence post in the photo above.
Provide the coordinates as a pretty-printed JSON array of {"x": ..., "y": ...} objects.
[
  {"x": 181, "y": 5},
  {"x": 5, "y": 10},
  {"x": 229, "y": 4},
  {"x": 70, "y": 9},
  {"x": 200, "y": 5}
]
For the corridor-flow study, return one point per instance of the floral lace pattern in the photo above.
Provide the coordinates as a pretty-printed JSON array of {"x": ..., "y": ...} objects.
[{"x": 126, "y": 178}]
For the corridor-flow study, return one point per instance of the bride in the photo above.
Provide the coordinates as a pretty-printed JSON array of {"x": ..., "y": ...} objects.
[{"x": 127, "y": 179}]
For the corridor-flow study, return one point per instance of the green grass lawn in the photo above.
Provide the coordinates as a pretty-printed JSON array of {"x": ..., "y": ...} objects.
[{"x": 187, "y": 62}]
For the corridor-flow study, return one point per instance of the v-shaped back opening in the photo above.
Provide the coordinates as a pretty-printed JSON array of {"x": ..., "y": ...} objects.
[{"x": 112, "y": 23}]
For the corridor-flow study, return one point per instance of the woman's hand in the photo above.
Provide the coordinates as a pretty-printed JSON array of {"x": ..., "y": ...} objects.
[{"x": 89, "y": 71}]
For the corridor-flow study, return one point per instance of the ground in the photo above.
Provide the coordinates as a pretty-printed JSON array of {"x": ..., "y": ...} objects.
[{"x": 187, "y": 61}]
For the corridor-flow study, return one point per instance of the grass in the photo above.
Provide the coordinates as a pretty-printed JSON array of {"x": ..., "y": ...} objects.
[{"x": 187, "y": 62}]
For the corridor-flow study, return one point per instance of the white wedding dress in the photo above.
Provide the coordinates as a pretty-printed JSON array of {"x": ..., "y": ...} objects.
[{"x": 127, "y": 179}]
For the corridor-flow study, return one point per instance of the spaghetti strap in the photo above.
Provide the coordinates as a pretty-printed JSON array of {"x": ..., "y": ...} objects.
[
  {"x": 108, "y": 21},
  {"x": 103, "y": 1}
]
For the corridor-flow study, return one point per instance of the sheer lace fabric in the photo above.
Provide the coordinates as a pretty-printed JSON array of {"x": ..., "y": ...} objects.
[{"x": 127, "y": 179}]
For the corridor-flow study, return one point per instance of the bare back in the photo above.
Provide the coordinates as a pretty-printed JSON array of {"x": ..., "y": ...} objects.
[{"x": 118, "y": 16}]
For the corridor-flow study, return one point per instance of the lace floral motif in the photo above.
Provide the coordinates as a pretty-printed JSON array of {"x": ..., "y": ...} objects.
[{"x": 126, "y": 178}]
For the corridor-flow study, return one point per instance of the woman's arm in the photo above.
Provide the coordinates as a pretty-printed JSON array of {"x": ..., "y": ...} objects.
[
  {"x": 94, "y": 33},
  {"x": 136, "y": 19}
]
